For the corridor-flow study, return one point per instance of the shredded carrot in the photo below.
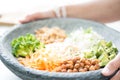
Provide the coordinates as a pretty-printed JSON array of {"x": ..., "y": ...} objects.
[{"x": 40, "y": 60}]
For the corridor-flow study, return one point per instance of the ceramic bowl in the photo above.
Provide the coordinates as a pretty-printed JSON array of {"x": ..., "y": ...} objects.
[{"x": 68, "y": 24}]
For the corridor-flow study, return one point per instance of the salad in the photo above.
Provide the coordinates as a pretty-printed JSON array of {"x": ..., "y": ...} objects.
[{"x": 52, "y": 49}]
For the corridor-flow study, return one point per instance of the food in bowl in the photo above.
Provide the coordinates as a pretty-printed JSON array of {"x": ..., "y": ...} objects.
[
  {"x": 54, "y": 50},
  {"x": 50, "y": 35}
]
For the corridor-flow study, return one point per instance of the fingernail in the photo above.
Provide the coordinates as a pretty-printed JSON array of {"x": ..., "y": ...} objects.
[{"x": 106, "y": 71}]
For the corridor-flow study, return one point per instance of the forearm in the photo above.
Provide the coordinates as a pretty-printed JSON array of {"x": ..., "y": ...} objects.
[{"x": 99, "y": 10}]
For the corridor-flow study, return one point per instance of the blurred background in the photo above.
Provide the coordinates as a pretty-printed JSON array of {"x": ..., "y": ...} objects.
[{"x": 11, "y": 11}]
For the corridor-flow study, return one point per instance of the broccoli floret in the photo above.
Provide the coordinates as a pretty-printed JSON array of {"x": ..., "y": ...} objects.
[{"x": 25, "y": 45}]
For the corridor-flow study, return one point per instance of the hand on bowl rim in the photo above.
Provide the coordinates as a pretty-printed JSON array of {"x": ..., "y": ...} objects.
[
  {"x": 111, "y": 67},
  {"x": 37, "y": 15}
]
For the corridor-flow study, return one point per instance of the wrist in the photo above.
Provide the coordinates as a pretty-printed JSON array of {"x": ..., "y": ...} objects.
[
  {"x": 49, "y": 14},
  {"x": 60, "y": 12}
]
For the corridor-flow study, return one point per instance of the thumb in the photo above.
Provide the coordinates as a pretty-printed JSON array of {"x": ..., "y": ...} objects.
[{"x": 112, "y": 66}]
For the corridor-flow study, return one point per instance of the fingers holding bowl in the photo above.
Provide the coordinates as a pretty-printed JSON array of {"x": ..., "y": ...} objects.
[
  {"x": 112, "y": 68},
  {"x": 37, "y": 15},
  {"x": 117, "y": 76}
]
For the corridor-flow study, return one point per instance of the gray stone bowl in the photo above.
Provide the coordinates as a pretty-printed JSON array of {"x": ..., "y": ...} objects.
[{"x": 69, "y": 25}]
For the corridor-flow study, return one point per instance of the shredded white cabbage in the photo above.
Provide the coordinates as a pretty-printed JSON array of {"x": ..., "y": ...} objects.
[{"x": 75, "y": 44}]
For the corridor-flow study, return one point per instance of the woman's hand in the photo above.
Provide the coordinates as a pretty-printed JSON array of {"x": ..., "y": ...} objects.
[
  {"x": 38, "y": 15},
  {"x": 111, "y": 67}
]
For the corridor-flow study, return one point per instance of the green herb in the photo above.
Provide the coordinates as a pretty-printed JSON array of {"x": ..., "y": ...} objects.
[{"x": 88, "y": 30}]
